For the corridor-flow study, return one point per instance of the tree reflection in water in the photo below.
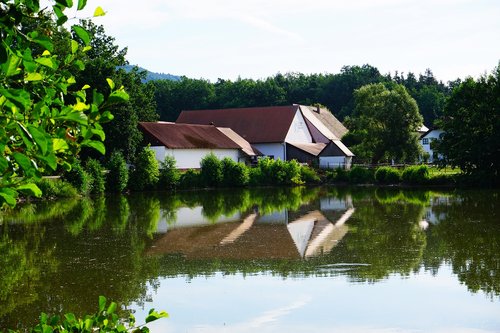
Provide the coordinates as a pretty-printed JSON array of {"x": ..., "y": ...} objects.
[{"x": 59, "y": 256}]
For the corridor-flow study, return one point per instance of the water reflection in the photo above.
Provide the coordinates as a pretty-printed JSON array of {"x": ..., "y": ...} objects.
[{"x": 59, "y": 256}]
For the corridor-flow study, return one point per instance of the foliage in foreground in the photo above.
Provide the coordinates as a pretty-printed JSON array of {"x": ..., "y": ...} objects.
[
  {"x": 105, "y": 320},
  {"x": 46, "y": 117}
]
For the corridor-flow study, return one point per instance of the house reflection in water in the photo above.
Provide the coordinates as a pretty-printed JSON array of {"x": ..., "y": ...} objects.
[{"x": 278, "y": 235}]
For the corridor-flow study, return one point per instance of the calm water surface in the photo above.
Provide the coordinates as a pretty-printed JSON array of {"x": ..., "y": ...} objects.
[{"x": 274, "y": 260}]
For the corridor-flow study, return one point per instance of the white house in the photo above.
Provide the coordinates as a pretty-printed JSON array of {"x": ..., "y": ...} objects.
[
  {"x": 281, "y": 132},
  {"x": 189, "y": 144},
  {"x": 426, "y": 139}
]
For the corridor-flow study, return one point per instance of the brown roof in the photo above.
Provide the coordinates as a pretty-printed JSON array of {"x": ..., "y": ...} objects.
[
  {"x": 256, "y": 125},
  {"x": 312, "y": 148},
  {"x": 178, "y": 136},
  {"x": 342, "y": 147},
  {"x": 245, "y": 146},
  {"x": 329, "y": 120}
]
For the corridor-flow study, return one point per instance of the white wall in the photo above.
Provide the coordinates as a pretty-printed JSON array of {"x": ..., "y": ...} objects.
[
  {"x": 272, "y": 149},
  {"x": 298, "y": 131},
  {"x": 428, "y": 138},
  {"x": 332, "y": 162},
  {"x": 190, "y": 158}
]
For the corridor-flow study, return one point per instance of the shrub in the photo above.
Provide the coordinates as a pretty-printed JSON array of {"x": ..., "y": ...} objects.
[
  {"x": 309, "y": 175},
  {"x": 443, "y": 179},
  {"x": 292, "y": 173},
  {"x": 169, "y": 174},
  {"x": 95, "y": 170},
  {"x": 416, "y": 175},
  {"x": 211, "y": 170},
  {"x": 234, "y": 174},
  {"x": 265, "y": 173},
  {"x": 117, "y": 177},
  {"x": 146, "y": 171},
  {"x": 359, "y": 175},
  {"x": 255, "y": 176},
  {"x": 56, "y": 188},
  {"x": 79, "y": 178},
  {"x": 190, "y": 179},
  {"x": 338, "y": 175},
  {"x": 387, "y": 175}
]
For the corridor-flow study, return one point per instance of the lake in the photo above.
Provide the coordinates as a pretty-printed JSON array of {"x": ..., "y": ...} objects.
[{"x": 325, "y": 259}]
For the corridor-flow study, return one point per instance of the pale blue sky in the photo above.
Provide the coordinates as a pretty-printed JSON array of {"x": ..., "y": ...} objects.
[{"x": 259, "y": 38}]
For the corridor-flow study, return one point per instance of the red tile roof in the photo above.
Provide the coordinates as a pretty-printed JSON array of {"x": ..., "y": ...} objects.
[
  {"x": 256, "y": 125},
  {"x": 178, "y": 136}
]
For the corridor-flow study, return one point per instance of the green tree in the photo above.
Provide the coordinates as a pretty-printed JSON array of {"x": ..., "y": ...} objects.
[
  {"x": 117, "y": 177},
  {"x": 169, "y": 174},
  {"x": 95, "y": 170},
  {"x": 384, "y": 124},
  {"x": 106, "y": 59},
  {"x": 146, "y": 173},
  {"x": 471, "y": 123},
  {"x": 211, "y": 170},
  {"x": 43, "y": 123},
  {"x": 187, "y": 94}
]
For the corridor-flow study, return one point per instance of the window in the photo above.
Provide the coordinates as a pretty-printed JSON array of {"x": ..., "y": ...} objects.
[{"x": 425, "y": 141}]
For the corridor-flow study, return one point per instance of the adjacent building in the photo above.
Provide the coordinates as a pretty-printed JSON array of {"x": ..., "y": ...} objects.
[
  {"x": 307, "y": 134},
  {"x": 189, "y": 143},
  {"x": 426, "y": 141}
]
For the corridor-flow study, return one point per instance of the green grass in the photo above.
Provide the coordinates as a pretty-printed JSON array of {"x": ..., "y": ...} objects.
[{"x": 434, "y": 171}]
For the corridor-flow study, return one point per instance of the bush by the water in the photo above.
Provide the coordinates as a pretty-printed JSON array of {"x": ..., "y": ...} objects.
[
  {"x": 79, "y": 178},
  {"x": 309, "y": 175},
  {"x": 415, "y": 175},
  {"x": 117, "y": 177},
  {"x": 388, "y": 175},
  {"x": 56, "y": 188},
  {"x": 233, "y": 173},
  {"x": 190, "y": 179},
  {"x": 360, "y": 175},
  {"x": 146, "y": 172},
  {"x": 169, "y": 174},
  {"x": 278, "y": 172},
  {"x": 211, "y": 170},
  {"x": 337, "y": 175},
  {"x": 95, "y": 171}
]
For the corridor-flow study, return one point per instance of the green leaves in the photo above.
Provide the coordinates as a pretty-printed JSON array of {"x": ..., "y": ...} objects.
[
  {"x": 82, "y": 34},
  {"x": 81, "y": 4},
  {"x": 11, "y": 66},
  {"x": 153, "y": 315},
  {"x": 99, "y": 12},
  {"x": 44, "y": 124},
  {"x": 30, "y": 189}
]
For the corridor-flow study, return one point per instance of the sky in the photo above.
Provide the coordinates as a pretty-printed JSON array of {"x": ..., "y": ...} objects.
[{"x": 256, "y": 39}]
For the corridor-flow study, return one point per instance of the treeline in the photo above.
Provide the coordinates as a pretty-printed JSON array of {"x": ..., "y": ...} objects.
[{"x": 335, "y": 91}]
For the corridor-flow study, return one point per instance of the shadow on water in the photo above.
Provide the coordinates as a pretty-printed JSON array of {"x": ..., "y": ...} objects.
[{"x": 60, "y": 256}]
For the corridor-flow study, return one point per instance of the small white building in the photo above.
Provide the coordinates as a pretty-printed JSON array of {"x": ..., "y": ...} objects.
[
  {"x": 189, "y": 144},
  {"x": 426, "y": 141}
]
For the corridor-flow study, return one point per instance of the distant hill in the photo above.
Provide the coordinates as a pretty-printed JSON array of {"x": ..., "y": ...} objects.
[{"x": 151, "y": 76}]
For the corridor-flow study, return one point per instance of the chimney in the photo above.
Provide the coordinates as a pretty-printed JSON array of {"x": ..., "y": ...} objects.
[{"x": 317, "y": 109}]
